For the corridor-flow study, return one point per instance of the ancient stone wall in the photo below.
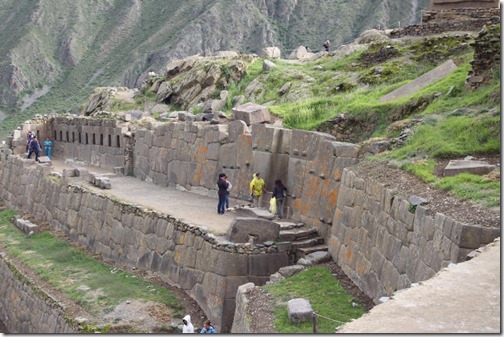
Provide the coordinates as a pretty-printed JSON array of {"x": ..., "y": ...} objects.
[
  {"x": 25, "y": 308},
  {"x": 436, "y": 5},
  {"x": 99, "y": 142},
  {"x": 209, "y": 269},
  {"x": 463, "y": 19},
  {"x": 384, "y": 244},
  {"x": 192, "y": 154}
]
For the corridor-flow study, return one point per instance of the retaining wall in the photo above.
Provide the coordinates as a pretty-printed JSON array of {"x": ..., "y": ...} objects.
[
  {"x": 208, "y": 269},
  {"x": 25, "y": 308},
  {"x": 384, "y": 245},
  {"x": 192, "y": 154},
  {"x": 462, "y": 19}
]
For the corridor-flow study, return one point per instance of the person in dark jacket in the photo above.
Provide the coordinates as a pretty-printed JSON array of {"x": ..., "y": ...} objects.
[
  {"x": 34, "y": 147},
  {"x": 223, "y": 192},
  {"x": 279, "y": 192}
]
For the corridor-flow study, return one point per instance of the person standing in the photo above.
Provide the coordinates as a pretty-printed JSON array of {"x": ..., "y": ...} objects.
[
  {"x": 208, "y": 327},
  {"x": 223, "y": 193},
  {"x": 34, "y": 147},
  {"x": 228, "y": 189},
  {"x": 326, "y": 45},
  {"x": 47, "y": 147},
  {"x": 187, "y": 327},
  {"x": 279, "y": 192},
  {"x": 257, "y": 189},
  {"x": 28, "y": 139}
]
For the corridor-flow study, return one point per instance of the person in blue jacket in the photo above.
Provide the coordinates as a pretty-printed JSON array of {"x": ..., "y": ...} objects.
[
  {"x": 34, "y": 147},
  {"x": 207, "y": 327},
  {"x": 47, "y": 146}
]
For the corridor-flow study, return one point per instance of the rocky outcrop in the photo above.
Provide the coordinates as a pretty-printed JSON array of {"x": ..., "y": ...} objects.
[{"x": 487, "y": 56}]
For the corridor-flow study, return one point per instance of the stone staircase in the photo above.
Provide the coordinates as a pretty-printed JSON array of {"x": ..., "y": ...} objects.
[{"x": 302, "y": 240}]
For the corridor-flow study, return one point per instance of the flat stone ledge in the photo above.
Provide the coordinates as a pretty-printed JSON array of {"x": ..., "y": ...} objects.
[{"x": 455, "y": 167}]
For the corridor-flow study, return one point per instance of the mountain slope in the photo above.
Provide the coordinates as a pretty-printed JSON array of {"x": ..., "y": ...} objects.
[{"x": 54, "y": 52}]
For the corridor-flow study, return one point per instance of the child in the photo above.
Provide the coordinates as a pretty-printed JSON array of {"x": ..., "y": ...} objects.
[{"x": 207, "y": 327}]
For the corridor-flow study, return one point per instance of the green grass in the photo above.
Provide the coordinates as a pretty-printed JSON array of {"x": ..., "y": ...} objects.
[
  {"x": 472, "y": 187},
  {"x": 68, "y": 268},
  {"x": 326, "y": 295},
  {"x": 465, "y": 186},
  {"x": 453, "y": 137}
]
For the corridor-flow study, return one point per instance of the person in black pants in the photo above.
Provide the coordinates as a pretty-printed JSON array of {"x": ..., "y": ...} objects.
[
  {"x": 34, "y": 147},
  {"x": 223, "y": 192},
  {"x": 279, "y": 192}
]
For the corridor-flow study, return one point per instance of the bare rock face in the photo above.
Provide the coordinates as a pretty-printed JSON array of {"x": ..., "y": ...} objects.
[
  {"x": 252, "y": 113},
  {"x": 97, "y": 101}
]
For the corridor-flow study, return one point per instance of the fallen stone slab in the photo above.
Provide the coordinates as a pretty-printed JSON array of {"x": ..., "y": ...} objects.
[
  {"x": 260, "y": 229},
  {"x": 44, "y": 160},
  {"x": 290, "y": 270},
  {"x": 25, "y": 226},
  {"x": 299, "y": 310},
  {"x": 252, "y": 113},
  {"x": 430, "y": 77},
  {"x": 455, "y": 167},
  {"x": 314, "y": 258}
]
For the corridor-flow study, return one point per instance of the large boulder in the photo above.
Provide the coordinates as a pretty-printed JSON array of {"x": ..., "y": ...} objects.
[
  {"x": 271, "y": 53},
  {"x": 372, "y": 35},
  {"x": 301, "y": 53},
  {"x": 261, "y": 230},
  {"x": 252, "y": 113}
]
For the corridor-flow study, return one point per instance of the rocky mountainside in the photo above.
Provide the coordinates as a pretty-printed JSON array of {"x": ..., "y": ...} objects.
[{"x": 54, "y": 52}]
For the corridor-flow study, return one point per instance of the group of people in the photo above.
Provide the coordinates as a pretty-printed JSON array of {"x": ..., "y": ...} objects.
[
  {"x": 189, "y": 328},
  {"x": 33, "y": 146},
  {"x": 257, "y": 191}
]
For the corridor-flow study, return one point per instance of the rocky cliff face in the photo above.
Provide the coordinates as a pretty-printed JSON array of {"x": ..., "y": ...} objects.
[{"x": 73, "y": 46}]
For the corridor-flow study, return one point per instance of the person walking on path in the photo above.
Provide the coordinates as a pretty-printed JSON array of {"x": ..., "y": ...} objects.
[
  {"x": 47, "y": 147},
  {"x": 279, "y": 192},
  {"x": 208, "y": 327},
  {"x": 257, "y": 189},
  {"x": 187, "y": 327},
  {"x": 223, "y": 193},
  {"x": 34, "y": 147}
]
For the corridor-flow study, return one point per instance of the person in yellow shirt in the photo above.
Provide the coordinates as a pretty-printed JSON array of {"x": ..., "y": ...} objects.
[{"x": 257, "y": 189}]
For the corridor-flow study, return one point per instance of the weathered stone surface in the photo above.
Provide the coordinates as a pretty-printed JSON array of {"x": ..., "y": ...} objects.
[
  {"x": 241, "y": 321},
  {"x": 290, "y": 270},
  {"x": 271, "y": 52},
  {"x": 430, "y": 77},
  {"x": 268, "y": 65},
  {"x": 455, "y": 167},
  {"x": 299, "y": 310},
  {"x": 252, "y": 113},
  {"x": 260, "y": 229}
]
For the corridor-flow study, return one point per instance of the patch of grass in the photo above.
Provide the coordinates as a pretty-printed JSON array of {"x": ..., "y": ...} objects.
[
  {"x": 67, "y": 269},
  {"x": 472, "y": 187},
  {"x": 326, "y": 295},
  {"x": 453, "y": 137},
  {"x": 423, "y": 169}
]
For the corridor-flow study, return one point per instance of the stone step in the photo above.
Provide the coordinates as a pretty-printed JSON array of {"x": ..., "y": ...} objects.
[
  {"x": 308, "y": 243},
  {"x": 297, "y": 234},
  {"x": 308, "y": 250},
  {"x": 286, "y": 225}
]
